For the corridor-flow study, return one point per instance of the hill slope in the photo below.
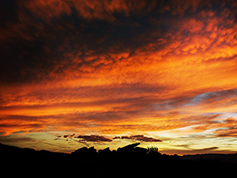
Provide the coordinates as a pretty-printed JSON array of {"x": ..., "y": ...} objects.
[{"x": 106, "y": 163}]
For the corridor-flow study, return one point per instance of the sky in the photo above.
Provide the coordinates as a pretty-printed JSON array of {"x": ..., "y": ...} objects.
[{"x": 77, "y": 73}]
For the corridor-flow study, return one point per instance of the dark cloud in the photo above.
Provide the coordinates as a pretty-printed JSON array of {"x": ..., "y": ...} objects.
[
  {"x": 86, "y": 138},
  {"x": 68, "y": 136},
  {"x": 38, "y": 36},
  {"x": 207, "y": 149},
  {"x": 93, "y": 138},
  {"x": 99, "y": 138},
  {"x": 139, "y": 138},
  {"x": 36, "y": 43}
]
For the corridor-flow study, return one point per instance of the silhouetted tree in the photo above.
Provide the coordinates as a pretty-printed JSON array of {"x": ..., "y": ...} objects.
[{"x": 152, "y": 150}]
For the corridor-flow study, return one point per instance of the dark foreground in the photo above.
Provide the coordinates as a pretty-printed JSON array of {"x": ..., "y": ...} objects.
[{"x": 129, "y": 161}]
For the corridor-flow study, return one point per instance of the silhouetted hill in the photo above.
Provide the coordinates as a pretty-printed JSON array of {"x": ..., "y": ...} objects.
[
  {"x": 232, "y": 158},
  {"x": 128, "y": 161}
]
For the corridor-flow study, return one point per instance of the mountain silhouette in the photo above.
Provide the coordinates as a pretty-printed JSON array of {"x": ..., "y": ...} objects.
[{"x": 127, "y": 161}]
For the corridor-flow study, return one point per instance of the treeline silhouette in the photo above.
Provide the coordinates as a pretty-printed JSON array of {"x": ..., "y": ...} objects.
[{"x": 128, "y": 161}]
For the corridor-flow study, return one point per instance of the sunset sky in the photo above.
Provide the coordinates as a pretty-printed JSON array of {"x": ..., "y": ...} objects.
[{"x": 107, "y": 73}]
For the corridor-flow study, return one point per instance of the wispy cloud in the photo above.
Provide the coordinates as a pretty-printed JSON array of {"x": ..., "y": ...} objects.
[
  {"x": 100, "y": 138},
  {"x": 139, "y": 138}
]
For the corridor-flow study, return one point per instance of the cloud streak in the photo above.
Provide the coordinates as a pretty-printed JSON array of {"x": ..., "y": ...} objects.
[
  {"x": 139, "y": 138},
  {"x": 99, "y": 138}
]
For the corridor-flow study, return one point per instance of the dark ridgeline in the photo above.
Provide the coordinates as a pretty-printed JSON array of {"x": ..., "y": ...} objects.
[{"x": 128, "y": 161}]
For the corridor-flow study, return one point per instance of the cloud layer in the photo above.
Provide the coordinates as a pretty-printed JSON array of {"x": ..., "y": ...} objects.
[
  {"x": 102, "y": 69},
  {"x": 99, "y": 138}
]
